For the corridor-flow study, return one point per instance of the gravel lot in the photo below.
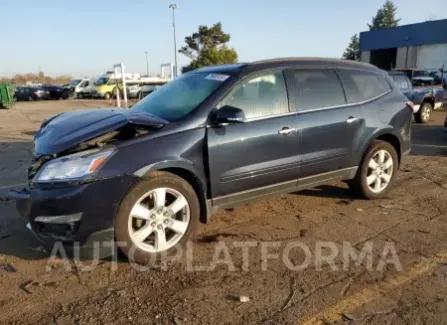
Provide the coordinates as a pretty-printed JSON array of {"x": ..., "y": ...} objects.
[{"x": 411, "y": 221}]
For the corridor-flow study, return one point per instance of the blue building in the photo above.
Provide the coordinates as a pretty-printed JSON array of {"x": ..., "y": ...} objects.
[{"x": 421, "y": 45}]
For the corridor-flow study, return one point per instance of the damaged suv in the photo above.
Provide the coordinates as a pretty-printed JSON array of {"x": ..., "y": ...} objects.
[{"x": 213, "y": 138}]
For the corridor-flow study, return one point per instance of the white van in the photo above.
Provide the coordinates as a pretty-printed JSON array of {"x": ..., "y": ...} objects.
[{"x": 81, "y": 88}]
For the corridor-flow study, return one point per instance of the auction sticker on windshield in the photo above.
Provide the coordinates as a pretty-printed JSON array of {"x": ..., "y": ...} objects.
[{"x": 217, "y": 77}]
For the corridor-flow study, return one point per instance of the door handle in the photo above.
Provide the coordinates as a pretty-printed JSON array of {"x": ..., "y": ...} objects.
[
  {"x": 286, "y": 131},
  {"x": 352, "y": 119}
]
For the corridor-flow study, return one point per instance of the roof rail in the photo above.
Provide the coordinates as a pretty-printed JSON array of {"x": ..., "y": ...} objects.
[{"x": 286, "y": 59}]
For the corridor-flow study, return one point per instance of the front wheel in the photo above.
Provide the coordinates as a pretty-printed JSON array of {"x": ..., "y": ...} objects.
[
  {"x": 157, "y": 215},
  {"x": 376, "y": 171},
  {"x": 424, "y": 114}
]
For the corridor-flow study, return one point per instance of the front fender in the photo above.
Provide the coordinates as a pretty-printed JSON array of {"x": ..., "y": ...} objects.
[
  {"x": 439, "y": 95},
  {"x": 181, "y": 163},
  {"x": 184, "y": 165}
]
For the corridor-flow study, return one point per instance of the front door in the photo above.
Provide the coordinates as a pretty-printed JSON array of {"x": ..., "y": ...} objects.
[{"x": 261, "y": 152}]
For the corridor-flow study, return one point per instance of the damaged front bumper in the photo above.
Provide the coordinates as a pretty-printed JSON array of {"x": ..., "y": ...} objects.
[{"x": 80, "y": 216}]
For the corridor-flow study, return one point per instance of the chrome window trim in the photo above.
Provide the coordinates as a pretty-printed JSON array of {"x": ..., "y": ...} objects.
[
  {"x": 269, "y": 116},
  {"x": 345, "y": 105}
]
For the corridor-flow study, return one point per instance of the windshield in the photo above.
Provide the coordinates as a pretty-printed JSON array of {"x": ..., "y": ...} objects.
[
  {"x": 181, "y": 96},
  {"x": 75, "y": 82},
  {"x": 102, "y": 81},
  {"x": 421, "y": 74}
]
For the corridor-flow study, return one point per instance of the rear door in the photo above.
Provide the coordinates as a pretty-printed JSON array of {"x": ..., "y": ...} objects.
[
  {"x": 261, "y": 152},
  {"x": 328, "y": 124}
]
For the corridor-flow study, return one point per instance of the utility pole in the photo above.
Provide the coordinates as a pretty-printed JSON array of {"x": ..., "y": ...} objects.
[
  {"x": 173, "y": 7},
  {"x": 147, "y": 65}
]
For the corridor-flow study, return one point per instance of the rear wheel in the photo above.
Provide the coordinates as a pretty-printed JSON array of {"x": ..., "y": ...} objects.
[
  {"x": 156, "y": 216},
  {"x": 107, "y": 96},
  {"x": 376, "y": 171},
  {"x": 424, "y": 114}
]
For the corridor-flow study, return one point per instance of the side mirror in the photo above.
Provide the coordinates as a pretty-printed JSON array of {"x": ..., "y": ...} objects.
[{"x": 229, "y": 114}]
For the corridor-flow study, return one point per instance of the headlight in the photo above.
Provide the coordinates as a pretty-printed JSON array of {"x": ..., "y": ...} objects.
[{"x": 78, "y": 166}]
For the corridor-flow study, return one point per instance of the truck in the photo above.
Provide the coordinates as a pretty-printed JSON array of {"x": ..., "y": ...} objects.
[{"x": 421, "y": 89}]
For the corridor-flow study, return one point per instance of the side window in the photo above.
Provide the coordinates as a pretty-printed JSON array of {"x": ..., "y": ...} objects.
[
  {"x": 260, "y": 96},
  {"x": 317, "y": 89},
  {"x": 401, "y": 82},
  {"x": 86, "y": 84},
  {"x": 361, "y": 86}
]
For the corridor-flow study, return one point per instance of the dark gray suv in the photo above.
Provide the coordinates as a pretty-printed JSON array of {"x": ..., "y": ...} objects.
[{"x": 213, "y": 138}]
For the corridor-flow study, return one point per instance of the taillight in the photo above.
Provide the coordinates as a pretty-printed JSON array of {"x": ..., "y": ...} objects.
[{"x": 410, "y": 105}]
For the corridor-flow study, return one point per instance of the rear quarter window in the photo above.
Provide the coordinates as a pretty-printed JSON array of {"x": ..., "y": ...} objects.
[
  {"x": 400, "y": 81},
  {"x": 362, "y": 86}
]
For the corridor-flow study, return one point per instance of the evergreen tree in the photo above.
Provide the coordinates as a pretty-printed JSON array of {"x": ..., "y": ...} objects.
[
  {"x": 208, "y": 46},
  {"x": 385, "y": 17},
  {"x": 352, "y": 52}
]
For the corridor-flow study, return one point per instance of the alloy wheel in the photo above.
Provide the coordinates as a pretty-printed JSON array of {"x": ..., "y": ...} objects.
[
  {"x": 426, "y": 113},
  {"x": 159, "y": 220},
  {"x": 380, "y": 171}
]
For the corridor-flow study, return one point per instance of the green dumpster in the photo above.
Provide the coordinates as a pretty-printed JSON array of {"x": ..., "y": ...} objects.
[{"x": 6, "y": 95}]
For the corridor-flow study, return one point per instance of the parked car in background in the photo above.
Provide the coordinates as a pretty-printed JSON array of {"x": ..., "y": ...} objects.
[
  {"x": 440, "y": 77},
  {"x": 106, "y": 88},
  {"x": 146, "y": 90},
  {"x": 212, "y": 138},
  {"x": 25, "y": 93},
  {"x": 421, "y": 77},
  {"x": 425, "y": 98},
  {"x": 56, "y": 92},
  {"x": 81, "y": 88},
  {"x": 72, "y": 86},
  {"x": 133, "y": 90}
]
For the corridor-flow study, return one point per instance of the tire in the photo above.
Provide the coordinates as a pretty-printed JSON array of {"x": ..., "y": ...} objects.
[
  {"x": 359, "y": 185},
  {"x": 80, "y": 95},
  {"x": 158, "y": 223},
  {"x": 107, "y": 96},
  {"x": 424, "y": 114}
]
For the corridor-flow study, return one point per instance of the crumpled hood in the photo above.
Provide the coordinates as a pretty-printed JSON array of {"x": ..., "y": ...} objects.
[{"x": 66, "y": 130}]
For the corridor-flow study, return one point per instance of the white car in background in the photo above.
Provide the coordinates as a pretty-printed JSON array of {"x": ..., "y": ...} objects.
[
  {"x": 147, "y": 89},
  {"x": 133, "y": 91}
]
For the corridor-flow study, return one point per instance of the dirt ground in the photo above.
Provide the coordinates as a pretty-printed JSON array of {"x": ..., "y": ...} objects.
[{"x": 404, "y": 282}]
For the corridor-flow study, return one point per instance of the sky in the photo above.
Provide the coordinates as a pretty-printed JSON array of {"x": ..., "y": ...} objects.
[{"x": 85, "y": 38}]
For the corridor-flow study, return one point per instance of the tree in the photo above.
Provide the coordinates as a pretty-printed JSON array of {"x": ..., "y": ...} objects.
[
  {"x": 352, "y": 52},
  {"x": 21, "y": 79},
  {"x": 385, "y": 17},
  {"x": 208, "y": 47}
]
